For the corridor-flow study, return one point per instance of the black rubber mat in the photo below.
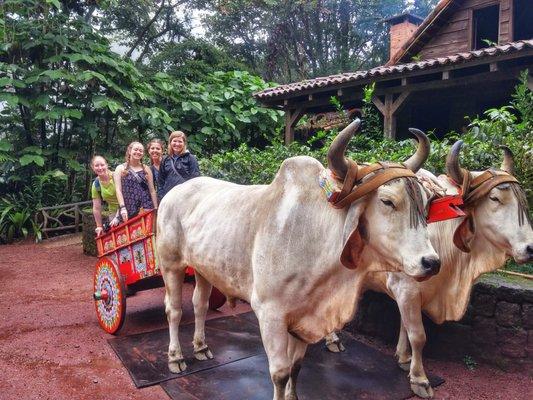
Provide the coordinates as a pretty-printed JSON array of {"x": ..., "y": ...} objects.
[
  {"x": 240, "y": 369},
  {"x": 145, "y": 355},
  {"x": 361, "y": 372}
]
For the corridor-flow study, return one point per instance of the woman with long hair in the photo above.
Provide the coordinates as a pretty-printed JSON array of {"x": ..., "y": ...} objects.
[
  {"x": 134, "y": 183},
  {"x": 178, "y": 166},
  {"x": 103, "y": 190}
]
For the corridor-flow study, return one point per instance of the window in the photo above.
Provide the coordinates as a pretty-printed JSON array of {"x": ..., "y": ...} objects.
[
  {"x": 485, "y": 26},
  {"x": 522, "y": 20}
]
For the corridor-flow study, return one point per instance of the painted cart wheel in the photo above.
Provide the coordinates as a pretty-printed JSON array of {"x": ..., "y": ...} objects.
[
  {"x": 109, "y": 296},
  {"x": 217, "y": 299}
]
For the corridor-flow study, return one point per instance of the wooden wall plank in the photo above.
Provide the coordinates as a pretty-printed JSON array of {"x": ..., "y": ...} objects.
[{"x": 454, "y": 36}]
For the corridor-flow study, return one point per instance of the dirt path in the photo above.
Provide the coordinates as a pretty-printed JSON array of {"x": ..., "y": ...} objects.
[{"x": 51, "y": 346}]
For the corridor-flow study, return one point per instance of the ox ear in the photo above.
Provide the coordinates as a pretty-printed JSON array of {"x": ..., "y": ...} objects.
[
  {"x": 462, "y": 238},
  {"x": 354, "y": 238}
]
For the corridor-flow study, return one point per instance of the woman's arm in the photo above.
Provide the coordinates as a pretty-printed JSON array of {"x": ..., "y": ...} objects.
[
  {"x": 151, "y": 187},
  {"x": 162, "y": 178},
  {"x": 195, "y": 168},
  {"x": 117, "y": 178},
  {"x": 97, "y": 214}
]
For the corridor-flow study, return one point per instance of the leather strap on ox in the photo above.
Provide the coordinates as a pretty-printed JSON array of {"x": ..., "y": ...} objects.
[
  {"x": 475, "y": 189},
  {"x": 383, "y": 173}
]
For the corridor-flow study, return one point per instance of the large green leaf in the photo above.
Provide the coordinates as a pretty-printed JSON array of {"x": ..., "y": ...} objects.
[
  {"x": 56, "y": 3},
  {"x": 31, "y": 158},
  {"x": 5, "y": 145}
]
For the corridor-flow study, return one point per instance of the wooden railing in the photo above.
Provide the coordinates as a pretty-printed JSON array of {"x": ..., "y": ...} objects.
[{"x": 64, "y": 217}]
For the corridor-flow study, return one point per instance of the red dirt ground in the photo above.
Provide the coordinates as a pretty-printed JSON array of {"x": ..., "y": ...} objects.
[{"x": 51, "y": 346}]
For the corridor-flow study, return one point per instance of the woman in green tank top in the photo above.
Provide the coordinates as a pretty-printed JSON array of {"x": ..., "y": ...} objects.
[{"x": 103, "y": 190}]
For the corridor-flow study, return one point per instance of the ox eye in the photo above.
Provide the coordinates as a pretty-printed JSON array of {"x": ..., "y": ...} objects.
[
  {"x": 494, "y": 199},
  {"x": 388, "y": 203}
]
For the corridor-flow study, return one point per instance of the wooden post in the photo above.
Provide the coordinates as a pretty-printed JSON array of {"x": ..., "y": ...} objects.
[
  {"x": 389, "y": 110},
  {"x": 291, "y": 119}
]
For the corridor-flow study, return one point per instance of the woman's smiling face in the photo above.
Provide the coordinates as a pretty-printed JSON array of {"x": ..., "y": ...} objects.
[
  {"x": 137, "y": 151},
  {"x": 177, "y": 144},
  {"x": 99, "y": 166},
  {"x": 155, "y": 151}
]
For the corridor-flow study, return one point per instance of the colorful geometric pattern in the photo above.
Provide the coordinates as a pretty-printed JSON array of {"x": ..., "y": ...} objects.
[
  {"x": 112, "y": 309},
  {"x": 139, "y": 258}
]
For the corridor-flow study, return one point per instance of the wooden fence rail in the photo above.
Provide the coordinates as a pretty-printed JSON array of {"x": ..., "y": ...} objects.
[{"x": 64, "y": 217}]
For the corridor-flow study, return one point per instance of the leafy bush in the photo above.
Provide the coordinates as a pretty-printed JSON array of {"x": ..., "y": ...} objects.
[{"x": 219, "y": 113}]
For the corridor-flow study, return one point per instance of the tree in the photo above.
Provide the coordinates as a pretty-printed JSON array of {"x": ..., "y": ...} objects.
[
  {"x": 192, "y": 59},
  {"x": 293, "y": 40},
  {"x": 146, "y": 26},
  {"x": 65, "y": 94}
]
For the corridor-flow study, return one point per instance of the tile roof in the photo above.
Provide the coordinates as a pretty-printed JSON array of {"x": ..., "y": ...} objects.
[{"x": 332, "y": 80}]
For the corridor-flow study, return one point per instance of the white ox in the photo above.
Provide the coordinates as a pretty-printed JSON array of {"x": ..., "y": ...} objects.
[
  {"x": 497, "y": 227},
  {"x": 278, "y": 246}
]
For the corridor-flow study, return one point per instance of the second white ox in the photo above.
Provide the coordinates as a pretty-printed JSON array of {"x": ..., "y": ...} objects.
[
  {"x": 278, "y": 247},
  {"x": 497, "y": 227}
]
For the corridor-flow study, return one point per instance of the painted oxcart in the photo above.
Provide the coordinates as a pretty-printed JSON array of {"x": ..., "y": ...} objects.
[{"x": 127, "y": 263}]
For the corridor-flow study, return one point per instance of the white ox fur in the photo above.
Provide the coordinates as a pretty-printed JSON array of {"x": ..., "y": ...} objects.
[
  {"x": 444, "y": 297},
  {"x": 277, "y": 246}
]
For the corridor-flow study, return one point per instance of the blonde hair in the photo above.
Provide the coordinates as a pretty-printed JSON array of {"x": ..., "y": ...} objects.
[
  {"x": 173, "y": 135},
  {"x": 128, "y": 156}
]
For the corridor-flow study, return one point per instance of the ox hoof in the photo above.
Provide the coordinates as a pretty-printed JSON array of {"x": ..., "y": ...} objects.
[
  {"x": 406, "y": 366},
  {"x": 335, "y": 347},
  {"x": 422, "y": 389},
  {"x": 203, "y": 354},
  {"x": 178, "y": 366}
]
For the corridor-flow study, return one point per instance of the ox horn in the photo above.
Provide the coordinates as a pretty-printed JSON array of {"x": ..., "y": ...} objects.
[
  {"x": 508, "y": 161},
  {"x": 422, "y": 152},
  {"x": 453, "y": 169},
  {"x": 336, "y": 161}
]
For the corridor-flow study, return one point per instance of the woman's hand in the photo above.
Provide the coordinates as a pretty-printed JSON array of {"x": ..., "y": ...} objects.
[
  {"x": 115, "y": 221},
  {"x": 124, "y": 213},
  {"x": 98, "y": 230}
]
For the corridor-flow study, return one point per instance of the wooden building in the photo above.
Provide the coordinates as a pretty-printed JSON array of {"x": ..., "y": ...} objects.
[{"x": 463, "y": 58}]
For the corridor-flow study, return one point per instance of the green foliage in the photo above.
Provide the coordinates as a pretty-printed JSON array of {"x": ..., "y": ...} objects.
[
  {"x": 372, "y": 126},
  {"x": 193, "y": 59},
  {"x": 219, "y": 113}
]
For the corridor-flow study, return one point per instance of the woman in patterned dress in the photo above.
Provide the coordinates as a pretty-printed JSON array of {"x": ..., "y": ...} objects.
[{"x": 134, "y": 183}]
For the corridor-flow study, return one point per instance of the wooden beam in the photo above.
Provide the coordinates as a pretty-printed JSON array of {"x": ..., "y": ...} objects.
[
  {"x": 389, "y": 119},
  {"x": 291, "y": 119},
  {"x": 398, "y": 103},
  {"x": 389, "y": 109},
  {"x": 289, "y": 130},
  {"x": 500, "y": 75},
  {"x": 325, "y": 100},
  {"x": 379, "y": 104},
  {"x": 361, "y": 83}
]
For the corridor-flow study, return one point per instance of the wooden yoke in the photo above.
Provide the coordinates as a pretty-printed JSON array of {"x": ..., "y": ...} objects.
[{"x": 383, "y": 173}]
